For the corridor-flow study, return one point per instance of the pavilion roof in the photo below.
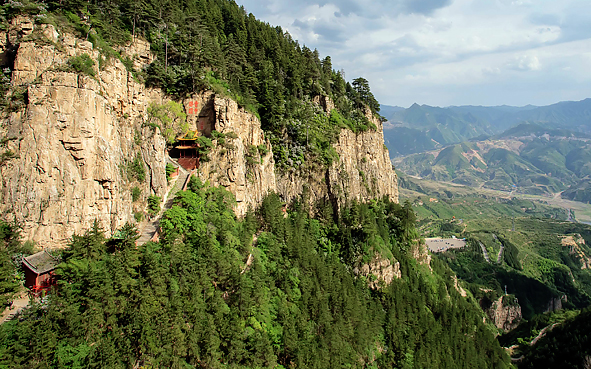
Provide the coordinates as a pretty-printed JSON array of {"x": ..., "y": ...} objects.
[
  {"x": 190, "y": 135},
  {"x": 41, "y": 262}
]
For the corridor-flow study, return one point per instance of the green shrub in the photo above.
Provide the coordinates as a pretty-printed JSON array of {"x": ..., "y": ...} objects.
[
  {"x": 154, "y": 204},
  {"x": 136, "y": 192},
  {"x": 6, "y": 155},
  {"x": 205, "y": 146},
  {"x": 251, "y": 154},
  {"x": 170, "y": 117},
  {"x": 139, "y": 216},
  {"x": 262, "y": 150},
  {"x": 82, "y": 64},
  {"x": 136, "y": 169},
  {"x": 169, "y": 170},
  {"x": 17, "y": 100}
]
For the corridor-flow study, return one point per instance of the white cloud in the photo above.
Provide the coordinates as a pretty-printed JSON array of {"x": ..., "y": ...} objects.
[
  {"x": 524, "y": 63},
  {"x": 434, "y": 50}
]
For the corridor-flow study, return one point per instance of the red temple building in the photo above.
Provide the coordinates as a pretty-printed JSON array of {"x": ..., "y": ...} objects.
[
  {"x": 39, "y": 269},
  {"x": 187, "y": 150}
]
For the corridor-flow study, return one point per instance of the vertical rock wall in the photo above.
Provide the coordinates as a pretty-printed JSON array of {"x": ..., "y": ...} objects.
[
  {"x": 74, "y": 138},
  {"x": 244, "y": 164},
  {"x": 75, "y": 134},
  {"x": 362, "y": 172},
  {"x": 503, "y": 315}
]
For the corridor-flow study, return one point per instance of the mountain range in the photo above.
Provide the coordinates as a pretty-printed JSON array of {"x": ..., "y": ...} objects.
[
  {"x": 528, "y": 158},
  {"x": 421, "y": 127}
]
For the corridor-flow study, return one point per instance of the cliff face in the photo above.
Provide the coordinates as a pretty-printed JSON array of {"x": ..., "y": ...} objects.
[
  {"x": 362, "y": 172},
  {"x": 380, "y": 271},
  {"x": 73, "y": 138},
  {"x": 242, "y": 161},
  {"x": 505, "y": 313}
]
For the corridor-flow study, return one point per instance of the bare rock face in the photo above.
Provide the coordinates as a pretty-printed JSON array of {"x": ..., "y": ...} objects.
[
  {"x": 380, "y": 272},
  {"x": 505, "y": 313},
  {"x": 244, "y": 163},
  {"x": 459, "y": 288},
  {"x": 555, "y": 303},
  {"x": 363, "y": 171},
  {"x": 574, "y": 243},
  {"x": 74, "y": 135},
  {"x": 73, "y": 139},
  {"x": 419, "y": 251}
]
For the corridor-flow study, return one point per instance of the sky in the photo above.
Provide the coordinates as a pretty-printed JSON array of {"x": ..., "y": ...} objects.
[{"x": 448, "y": 52}]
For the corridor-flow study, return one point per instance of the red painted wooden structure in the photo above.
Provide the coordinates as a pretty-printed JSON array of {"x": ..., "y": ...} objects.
[
  {"x": 187, "y": 150},
  {"x": 39, "y": 269}
]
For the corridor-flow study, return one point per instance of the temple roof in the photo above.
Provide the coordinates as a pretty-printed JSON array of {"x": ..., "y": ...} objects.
[
  {"x": 189, "y": 136},
  {"x": 41, "y": 262}
]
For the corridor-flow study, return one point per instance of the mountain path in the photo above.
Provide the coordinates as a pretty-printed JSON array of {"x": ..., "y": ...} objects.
[
  {"x": 484, "y": 252},
  {"x": 500, "y": 254},
  {"x": 18, "y": 304},
  {"x": 151, "y": 227}
]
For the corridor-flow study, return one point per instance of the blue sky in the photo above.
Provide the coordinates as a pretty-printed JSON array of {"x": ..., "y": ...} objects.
[{"x": 448, "y": 52}]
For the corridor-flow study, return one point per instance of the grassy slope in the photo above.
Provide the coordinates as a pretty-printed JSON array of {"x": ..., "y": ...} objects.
[
  {"x": 529, "y": 165},
  {"x": 546, "y": 266}
]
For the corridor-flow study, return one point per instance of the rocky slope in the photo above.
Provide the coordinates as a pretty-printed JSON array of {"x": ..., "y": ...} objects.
[
  {"x": 74, "y": 136},
  {"x": 505, "y": 313},
  {"x": 363, "y": 170}
]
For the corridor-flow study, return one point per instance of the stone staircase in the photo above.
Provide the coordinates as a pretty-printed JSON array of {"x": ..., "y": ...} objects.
[
  {"x": 152, "y": 226},
  {"x": 18, "y": 305}
]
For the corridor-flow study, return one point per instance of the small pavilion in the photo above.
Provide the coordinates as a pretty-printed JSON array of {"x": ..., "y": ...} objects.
[
  {"x": 187, "y": 150},
  {"x": 39, "y": 269}
]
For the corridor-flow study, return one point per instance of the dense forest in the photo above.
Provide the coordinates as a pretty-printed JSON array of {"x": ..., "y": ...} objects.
[
  {"x": 275, "y": 289},
  {"x": 567, "y": 345},
  {"x": 192, "y": 300},
  {"x": 215, "y": 44}
]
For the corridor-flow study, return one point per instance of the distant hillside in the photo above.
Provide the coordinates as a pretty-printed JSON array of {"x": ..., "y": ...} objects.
[
  {"x": 528, "y": 159},
  {"x": 542, "y": 256},
  {"x": 388, "y": 110},
  {"x": 421, "y": 127},
  {"x": 567, "y": 345}
]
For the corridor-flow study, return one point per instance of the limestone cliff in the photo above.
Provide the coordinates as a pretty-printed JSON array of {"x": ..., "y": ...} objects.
[
  {"x": 575, "y": 244},
  {"x": 242, "y": 161},
  {"x": 362, "y": 172},
  {"x": 380, "y": 271},
  {"x": 73, "y": 137},
  {"x": 505, "y": 313}
]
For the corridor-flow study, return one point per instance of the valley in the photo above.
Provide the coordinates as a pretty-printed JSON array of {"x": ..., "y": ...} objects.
[
  {"x": 413, "y": 187},
  {"x": 184, "y": 185}
]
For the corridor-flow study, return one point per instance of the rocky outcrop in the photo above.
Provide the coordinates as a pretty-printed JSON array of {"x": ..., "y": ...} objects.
[
  {"x": 555, "y": 303},
  {"x": 574, "y": 243},
  {"x": 505, "y": 313},
  {"x": 74, "y": 135},
  {"x": 420, "y": 252},
  {"x": 362, "y": 172},
  {"x": 459, "y": 288},
  {"x": 242, "y": 161},
  {"x": 73, "y": 139},
  {"x": 380, "y": 272}
]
